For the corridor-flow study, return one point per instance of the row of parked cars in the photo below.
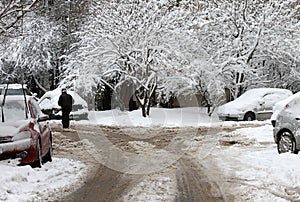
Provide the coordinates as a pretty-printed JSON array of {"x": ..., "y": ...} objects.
[
  {"x": 24, "y": 132},
  {"x": 281, "y": 106}
]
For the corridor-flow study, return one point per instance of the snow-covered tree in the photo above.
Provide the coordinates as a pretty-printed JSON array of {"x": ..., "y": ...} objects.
[
  {"x": 142, "y": 40},
  {"x": 217, "y": 45},
  {"x": 12, "y": 13},
  {"x": 32, "y": 53},
  {"x": 243, "y": 36}
]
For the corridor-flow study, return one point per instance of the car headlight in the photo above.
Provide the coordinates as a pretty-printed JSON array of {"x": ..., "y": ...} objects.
[{"x": 22, "y": 135}]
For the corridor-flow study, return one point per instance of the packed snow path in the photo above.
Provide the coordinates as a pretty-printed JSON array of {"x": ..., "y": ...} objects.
[
  {"x": 233, "y": 162},
  {"x": 180, "y": 179},
  {"x": 167, "y": 171}
]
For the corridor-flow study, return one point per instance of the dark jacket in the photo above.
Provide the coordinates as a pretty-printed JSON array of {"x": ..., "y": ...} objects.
[{"x": 65, "y": 101}]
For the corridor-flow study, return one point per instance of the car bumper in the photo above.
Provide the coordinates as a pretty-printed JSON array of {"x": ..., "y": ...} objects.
[
  {"x": 19, "y": 149},
  {"x": 83, "y": 116},
  {"x": 73, "y": 115},
  {"x": 231, "y": 117}
]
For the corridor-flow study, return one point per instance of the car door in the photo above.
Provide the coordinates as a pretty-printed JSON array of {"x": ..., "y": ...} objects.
[{"x": 266, "y": 104}]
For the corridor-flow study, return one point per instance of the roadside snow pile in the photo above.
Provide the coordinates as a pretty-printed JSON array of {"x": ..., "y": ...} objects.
[
  {"x": 159, "y": 117},
  {"x": 263, "y": 134},
  {"x": 228, "y": 139},
  {"x": 259, "y": 172},
  {"x": 53, "y": 180}
]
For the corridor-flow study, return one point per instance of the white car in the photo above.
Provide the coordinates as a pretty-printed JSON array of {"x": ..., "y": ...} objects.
[
  {"x": 286, "y": 123},
  {"x": 49, "y": 105},
  {"x": 254, "y": 104},
  {"x": 15, "y": 89},
  {"x": 281, "y": 105}
]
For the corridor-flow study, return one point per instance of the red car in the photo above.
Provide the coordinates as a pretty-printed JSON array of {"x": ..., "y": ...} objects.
[{"x": 24, "y": 132}]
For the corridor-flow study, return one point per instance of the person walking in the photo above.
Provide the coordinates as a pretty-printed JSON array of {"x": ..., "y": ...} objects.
[{"x": 65, "y": 101}]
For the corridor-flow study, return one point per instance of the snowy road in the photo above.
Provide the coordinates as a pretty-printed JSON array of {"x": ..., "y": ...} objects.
[
  {"x": 179, "y": 178},
  {"x": 119, "y": 157},
  {"x": 232, "y": 161}
]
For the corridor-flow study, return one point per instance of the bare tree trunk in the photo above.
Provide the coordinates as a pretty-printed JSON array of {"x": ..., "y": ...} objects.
[
  {"x": 39, "y": 85},
  {"x": 141, "y": 103}
]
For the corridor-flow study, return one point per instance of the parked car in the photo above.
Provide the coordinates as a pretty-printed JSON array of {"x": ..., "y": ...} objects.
[
  {"x": 281, "y": 105},
  {"x": 49, "y": 105},
  {"x": 15, "y": 89},
  {"x": 254, "y": 104},
  {"x": 24, "y": 132},
  {"x": 286, "y": 123}
]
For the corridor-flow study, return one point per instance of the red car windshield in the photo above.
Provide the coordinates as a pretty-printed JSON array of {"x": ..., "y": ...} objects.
[{"x": 14, "y": 110}]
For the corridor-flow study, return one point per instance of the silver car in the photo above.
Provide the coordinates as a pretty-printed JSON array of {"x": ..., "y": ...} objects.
[
  {"x": 254, "y": 104},
  {"x": 286, "y": 124}
]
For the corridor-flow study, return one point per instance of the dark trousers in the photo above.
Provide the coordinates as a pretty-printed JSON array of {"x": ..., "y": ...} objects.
[{"x": 65, "y": 119}]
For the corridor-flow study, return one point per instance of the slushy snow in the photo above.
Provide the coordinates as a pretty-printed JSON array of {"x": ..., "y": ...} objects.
[{"x": 252, "y": 164}]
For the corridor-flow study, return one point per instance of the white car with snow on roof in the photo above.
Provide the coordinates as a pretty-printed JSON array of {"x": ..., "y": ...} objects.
[
  {"x": 15, "y": 89},
  {"x": 254, "y": 104},
  {"x": 49, "y": 105}
]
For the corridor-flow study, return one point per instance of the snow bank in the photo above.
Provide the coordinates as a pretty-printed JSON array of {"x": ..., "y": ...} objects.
[
  {"x": 159, "y": 117},
  {"x": 53, "y": 180},
  {"x": 261, "y": 173}
]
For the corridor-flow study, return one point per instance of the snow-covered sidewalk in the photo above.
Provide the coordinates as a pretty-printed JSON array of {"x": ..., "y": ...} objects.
[
  {"x": 23, "y": 183},
  {"x": 254, "y": 165}
]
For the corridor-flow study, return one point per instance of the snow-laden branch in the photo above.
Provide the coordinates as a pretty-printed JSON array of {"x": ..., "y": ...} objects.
[{"x": 14, "y": 12}]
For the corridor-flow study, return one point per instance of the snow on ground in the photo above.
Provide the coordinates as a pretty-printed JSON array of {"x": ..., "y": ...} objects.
[
  {"x": 23, "y": 183},
  {"x": 158, "y": 187},
  {"x": 250, "y": 161},
  {"x": 260, "y": 173},
  {"x": 159, "y": 117}
]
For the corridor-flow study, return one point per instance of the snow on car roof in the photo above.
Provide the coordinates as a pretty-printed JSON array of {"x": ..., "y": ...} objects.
[
  {"x": 50, "y": 99},
  {"x": 250, "y": 99},
  {"x": 279, "y": 106},
  {"x": 259, "y": 92},
  {"x": 13, "y": 86}
]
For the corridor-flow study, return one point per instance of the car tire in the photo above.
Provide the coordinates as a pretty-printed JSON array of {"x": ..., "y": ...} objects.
[
  {"x": 286, "y": 143},
  {"x": 39, "y": 161},
  {"x": 48, "y": 156},
  {"x": 249, "y": 116}
]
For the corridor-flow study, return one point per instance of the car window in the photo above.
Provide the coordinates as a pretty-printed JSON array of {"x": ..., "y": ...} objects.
[
  {"x": 14, "y": 110},
  {"x": 18, "y": 92},
  {"x": 15, "y": 92},
  {"x": 269, "y": 100},
  {"x": 293, "y": 107}
]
